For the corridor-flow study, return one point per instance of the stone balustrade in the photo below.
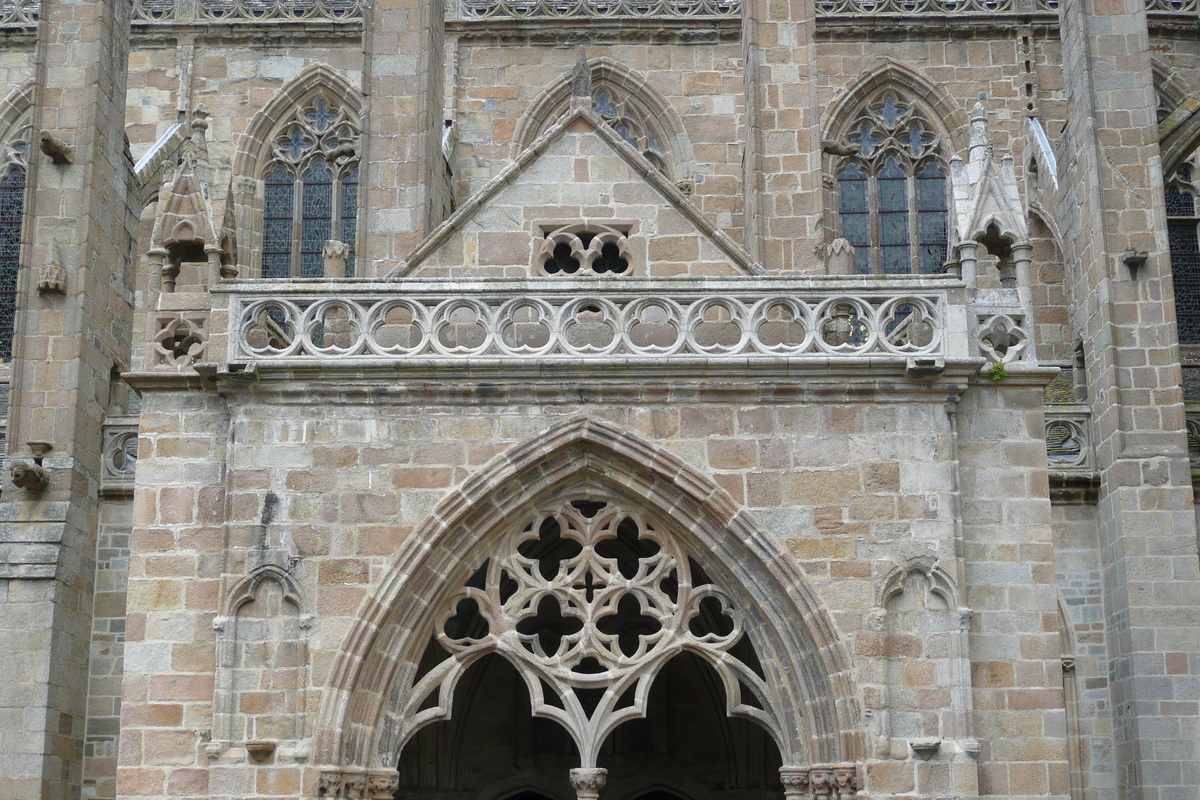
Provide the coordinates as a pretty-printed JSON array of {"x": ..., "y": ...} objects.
[
  {"x": 19, "y": 13},
  {"x": 940, "y": 7},
  {"x": 247, "y": 11},
  {"x": 736, "y": 323},
  {"x": 582, "y": 9}
]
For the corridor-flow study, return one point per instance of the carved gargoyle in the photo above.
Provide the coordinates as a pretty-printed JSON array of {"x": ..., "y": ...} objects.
[
  {"x": 52, "y": 280},
  {"x": 835, "y": 148},
  {"x": 59, "y": 151},
  {"x": 29, "y": 476}
]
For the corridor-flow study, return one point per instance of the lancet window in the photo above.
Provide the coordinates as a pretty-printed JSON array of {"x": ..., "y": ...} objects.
[
  {"x": 891, "y": 183},
  {"x": 12, "y": 211},
  {"x": 310, "y": 190},
  {"x": 1182, "y": 225}
]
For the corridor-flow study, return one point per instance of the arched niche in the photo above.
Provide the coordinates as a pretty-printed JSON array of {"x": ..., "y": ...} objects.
[{"x": 806, "y": 667}]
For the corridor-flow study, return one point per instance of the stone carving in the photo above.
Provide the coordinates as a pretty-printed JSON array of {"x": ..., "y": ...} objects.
[
  {"x": 1067, "y": 441},
  {"x": 179, "y": 342},
  {"x": 571, "y": 250},
  {"x": 20, "y": 12},
  {"x": 52, "y": 280},
  {"x": 834, "y": 782},
  {"x": 581, "y": 80},
  {"x": 594, "y": 325},
  {"x": 30, "y": 476},
  {"x": 1002, "y": 338},
  {"x": 277, "y": 10},
  {"x": 701, "y": 9},
  {"x": 840, "y": 260},
  {"x": 588, "y": 782},
  {"x": 119, "y": 461},
  {"x": 584, "y": 596},
  {"x": 335, "y": 255},
  {"x": 356, "y": 785},
  {"x": 185, "y": 229},
  {"x": 954, "y": 7},
  {"x": 59, "y": 151}
]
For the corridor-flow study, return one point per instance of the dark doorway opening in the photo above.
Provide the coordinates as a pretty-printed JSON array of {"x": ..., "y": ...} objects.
[{"x": 686, "y": 748}]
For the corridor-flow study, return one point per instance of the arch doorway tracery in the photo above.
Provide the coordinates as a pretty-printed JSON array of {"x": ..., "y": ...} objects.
[
  {"x": 588, "y": 641},
  {"x": 588, "y": 563}
]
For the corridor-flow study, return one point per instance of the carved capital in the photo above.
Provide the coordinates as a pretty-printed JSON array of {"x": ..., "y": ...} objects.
[
  {"x": 795, "y": 782},
  {"x": 588, "y": 781},
  {"x": 833, "y": 781},
  {"x": 382, "y": 784}
]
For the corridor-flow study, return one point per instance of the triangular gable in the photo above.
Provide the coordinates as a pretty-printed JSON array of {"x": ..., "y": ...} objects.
[{"x": 578, "y": 173}]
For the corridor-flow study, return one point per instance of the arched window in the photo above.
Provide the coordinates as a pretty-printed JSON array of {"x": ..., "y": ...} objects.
[
  {"x": 892, "y": 198},
  {"x": 633, "y": 122},
  {"x": 12, "y": 210},
  {"x": 310, "y": 190},
  {"x": 1182, "y": 225}
]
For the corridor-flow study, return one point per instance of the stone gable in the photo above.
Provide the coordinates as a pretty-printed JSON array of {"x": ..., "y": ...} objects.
[{"x": 582, "y": 177}]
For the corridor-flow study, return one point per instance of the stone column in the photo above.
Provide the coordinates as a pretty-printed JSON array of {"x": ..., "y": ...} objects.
[
  {"x": 782, "y": 178},
  {"x": 1112, "y": 196},
  {"x": 66, "y": 346},
  {"x": 406, "y": 191}
]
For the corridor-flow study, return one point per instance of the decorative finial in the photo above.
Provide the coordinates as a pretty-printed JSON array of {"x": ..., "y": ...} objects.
[{"x": 581, "y": 80}]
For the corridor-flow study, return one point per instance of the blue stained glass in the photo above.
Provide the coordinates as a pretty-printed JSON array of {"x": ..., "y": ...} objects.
[
  {"x": 1185, "y": 273},
  {"x": 852, "y": 190},
  {"x": 867, "y": 140},
  {"x": 917, "y": 139},
  {"x": 895, "y": 259},
  {"x": 626, "y": 134},
  {"x": 891, "y": 111},
  {"x": 12, "y": 207},
  {"x": 603, "y": 104},
  {"x": 296, "y": 143},
  {"x": 316, "y": 224},
  {"x": 893, "y": 228},
  {"x": 931, "y": 188},
  {"x": 277, "y": 224},
  {"x": 320, "y": 116},
  {"x": 893, "y": 187}
]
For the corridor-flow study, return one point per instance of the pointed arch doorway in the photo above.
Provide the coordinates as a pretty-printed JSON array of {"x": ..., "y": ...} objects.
[
  {"x": 588, "y": 629},
  {"x": 589, "y": 650}
]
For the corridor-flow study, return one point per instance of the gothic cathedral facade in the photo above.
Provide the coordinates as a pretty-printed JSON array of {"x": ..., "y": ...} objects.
[{"x": 599, "y": 399}]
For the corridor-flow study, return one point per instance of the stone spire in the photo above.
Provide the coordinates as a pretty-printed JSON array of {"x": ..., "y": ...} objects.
[{"x": 581, "y": 82}]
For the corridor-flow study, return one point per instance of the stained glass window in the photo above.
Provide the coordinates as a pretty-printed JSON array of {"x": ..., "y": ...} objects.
[
  {"x": 12, "y": 209},
  {"x": 1185, "y": 254},
  {"x": 633, "y": 123},
  {"x": 310, "y": 192},
  {"x": 892, "y": 198}
]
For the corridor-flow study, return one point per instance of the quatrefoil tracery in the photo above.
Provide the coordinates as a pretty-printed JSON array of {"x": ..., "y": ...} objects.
[{"x": 588, "y": 601}]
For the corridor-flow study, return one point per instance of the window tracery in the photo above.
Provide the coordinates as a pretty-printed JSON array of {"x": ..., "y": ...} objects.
[
  {"x": 595, "y": 250},
  {"x": 891, "y": 184},
  {"x": 633, "y": 123},
  {"x": 588, "y": 600},
  {"x": 12, "y": 211},
  {"x": 310, "y": 190}
]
